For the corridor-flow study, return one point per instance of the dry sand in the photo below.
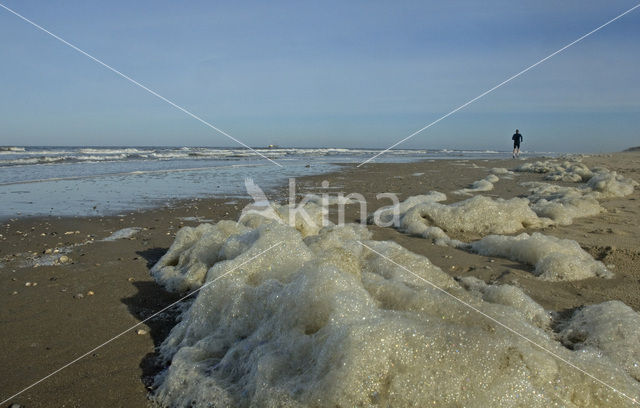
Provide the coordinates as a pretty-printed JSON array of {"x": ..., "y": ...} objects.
[{"x": 47, "y": 325}]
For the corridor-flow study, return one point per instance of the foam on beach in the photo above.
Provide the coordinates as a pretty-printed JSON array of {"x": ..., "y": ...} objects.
[
  {"x": 599, "y": 182},
  {"x": 611, "y": 328},
  {"x": 386, "y": 215},
  {"x": 425, "y": 216},
  {"x": 508, "y": 295},
  {"x": 194, "y": 250},
  {"x": 547, "y": 204},
  {"x": 307, "y": 222},
  {"x": 569, "y": 171},
  {"x": 325, "y": 321},
  {"x": 327, "y": 199},
  {"x": 486, "y": 184},
  {"x": 554, "y": 259},
  {"x": 609, "y": 184},
  {"x": 480, "y": 215},
  {"x": 501, "y": 171},
  {"x": 562, "y": 204},
  {"x": 197, "y": 219},
  {"x": 122, "y": 234}
]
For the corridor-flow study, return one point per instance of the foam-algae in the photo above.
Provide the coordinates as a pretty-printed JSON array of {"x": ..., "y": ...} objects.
[
  {"x": 485, "y": 184},
  {"x": 553, "y": 258},
  {"x": 509, "y": 295},
  {"x": 481, "y": 215},
  {"x": 193, "y": 252},
  {"x": 569, "y": 171},
  {"x": 336, "y": 319},
  {"x": 562, "y": 204},
  {"x": 611, "y": 328}
]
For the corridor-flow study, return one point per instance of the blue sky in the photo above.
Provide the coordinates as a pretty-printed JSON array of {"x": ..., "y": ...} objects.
[{"x": 344, "y": 74}]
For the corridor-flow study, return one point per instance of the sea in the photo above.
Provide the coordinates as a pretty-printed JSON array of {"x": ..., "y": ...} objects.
[{"x": 93, "y": 180}]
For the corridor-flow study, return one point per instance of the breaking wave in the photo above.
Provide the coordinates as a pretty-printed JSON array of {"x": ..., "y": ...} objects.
[{"x": 20, "y": 156}]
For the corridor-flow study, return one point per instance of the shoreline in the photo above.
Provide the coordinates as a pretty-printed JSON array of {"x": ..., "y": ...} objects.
[
  {"x": 93, "y": 188},
  {"x": 47, "y": 325}
]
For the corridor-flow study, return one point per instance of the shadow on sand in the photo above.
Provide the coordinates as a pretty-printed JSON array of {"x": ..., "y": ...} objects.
[{"x": 150, "y": 299}]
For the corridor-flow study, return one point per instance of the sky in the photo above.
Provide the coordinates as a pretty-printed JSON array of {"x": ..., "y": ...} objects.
[{"x": 314, "y": 74}]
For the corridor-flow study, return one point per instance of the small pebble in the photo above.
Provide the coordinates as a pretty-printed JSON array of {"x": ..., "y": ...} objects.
[
  {"x": 15, "y": 292},
  {"x": 63, "y": 259},
  {"x": 90, "y": 293},
  {"x": 141, "y": 332},
  {"x": 79, "y": 296},
  {"x": 130, "y": 279},
  {"x": 27, "y": 284}
]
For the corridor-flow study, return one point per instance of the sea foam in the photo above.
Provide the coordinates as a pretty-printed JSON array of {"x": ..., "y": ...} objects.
[
  {"x": 425, "y": 216},
  {"x": 563, "y": 204},
  {"x": 485, "y": 184},
  {"x": 611, "y": 328},
  {"x": 546, "y": 204},
  {"x": 337, "y": 319},
  {"x": 569, "y": 171},
  {"x": 553, "y": 258}
]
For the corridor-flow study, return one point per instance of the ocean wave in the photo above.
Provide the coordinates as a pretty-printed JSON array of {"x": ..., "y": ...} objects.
[
  {"x": 11, "y": 149},
  {"x": 128, "y": 150},
  {"x": 31, "y": 160},
  {"x": 60, "y": 159},
  {"x": 37, "y": 152},
  {"x": 14, "y": 156}
]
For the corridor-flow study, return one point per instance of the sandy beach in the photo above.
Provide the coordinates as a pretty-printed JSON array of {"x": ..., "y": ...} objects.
[{"x": 54, "y": 310}]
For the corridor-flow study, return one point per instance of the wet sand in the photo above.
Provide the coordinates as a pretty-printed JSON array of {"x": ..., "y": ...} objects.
[{"x": 47, "y": 325}]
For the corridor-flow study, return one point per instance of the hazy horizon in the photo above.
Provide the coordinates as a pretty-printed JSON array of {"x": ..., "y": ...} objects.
[
  {"x": 504, "y": 149},
  {"x": 363, "y": 74}
]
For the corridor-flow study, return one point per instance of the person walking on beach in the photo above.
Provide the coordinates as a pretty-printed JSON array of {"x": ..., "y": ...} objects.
[{"x": 517, "y": 138}]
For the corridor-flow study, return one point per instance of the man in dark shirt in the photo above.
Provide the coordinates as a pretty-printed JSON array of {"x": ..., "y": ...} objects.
[{"x": 517, "y": 138}]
